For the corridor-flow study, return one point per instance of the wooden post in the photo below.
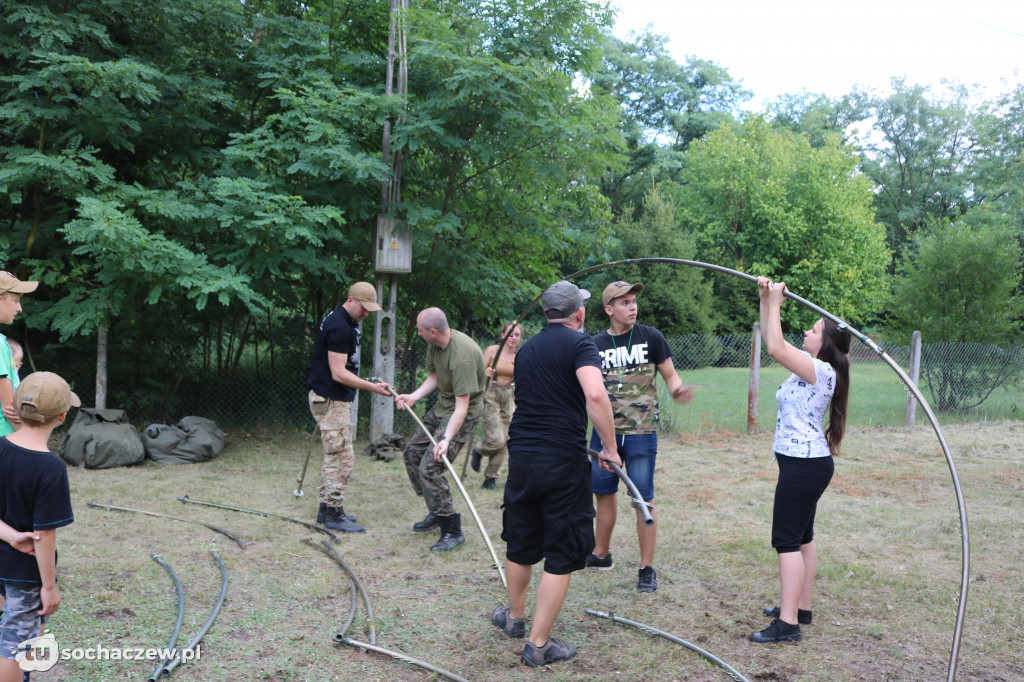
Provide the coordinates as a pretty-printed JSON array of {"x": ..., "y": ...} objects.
[
  {"x": 915, "y": 375},
  {"x": 755, "y": 378}
]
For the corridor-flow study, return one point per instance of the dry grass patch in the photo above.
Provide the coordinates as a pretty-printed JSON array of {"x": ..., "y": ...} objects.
[{"x": 885, "y": 608}]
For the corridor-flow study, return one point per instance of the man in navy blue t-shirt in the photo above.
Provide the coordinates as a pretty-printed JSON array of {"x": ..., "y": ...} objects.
[
  {"x": 333, "y": 380},
  {"x": 549, "y": 508}
]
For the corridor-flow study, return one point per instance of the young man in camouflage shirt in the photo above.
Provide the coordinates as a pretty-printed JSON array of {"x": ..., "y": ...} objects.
[{"x": 632, "y": 355}]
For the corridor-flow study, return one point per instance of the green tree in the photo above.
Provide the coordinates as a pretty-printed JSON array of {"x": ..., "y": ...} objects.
[
  {"x": 958, "y": 285},
  {"x": 664, "y": 106},
  {"x": 503, "y": 153},
  {"x": 676, "y": 300},
  {"x": 764, "y": 201},
  {"x": 923, "y": 161}
]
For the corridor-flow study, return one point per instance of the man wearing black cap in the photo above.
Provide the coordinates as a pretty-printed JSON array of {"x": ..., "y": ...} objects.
[
  {"x": 632, "y": 355},
  {"x": 549, "y": 507},
  {"x": 333, "y": 381}
]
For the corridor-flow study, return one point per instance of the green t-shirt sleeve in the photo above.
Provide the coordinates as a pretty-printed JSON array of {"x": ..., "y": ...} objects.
[{"x": 7, "y": 362}]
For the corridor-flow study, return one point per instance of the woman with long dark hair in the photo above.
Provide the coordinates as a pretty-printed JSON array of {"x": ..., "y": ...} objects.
[{"x": 820, "y": 381}]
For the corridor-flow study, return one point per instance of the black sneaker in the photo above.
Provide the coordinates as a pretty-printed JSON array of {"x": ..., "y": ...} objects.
[
  {"x": 551, "y": 652},
  {"x": 474, "y": 460},
  {"x": 601, "y": 563},
  {"x": 802, "y": 617},
  {"x": 512, "y": 627},
  {"x": 778, "y": 631},
  {"x": 490, "y": 484},
  {"x": 647, "y": 580}
]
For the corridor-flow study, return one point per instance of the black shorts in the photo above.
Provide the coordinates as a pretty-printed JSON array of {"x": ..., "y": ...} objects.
[
  {"x": 802, "y": 480},
  {"x": 548, "y": 512}
]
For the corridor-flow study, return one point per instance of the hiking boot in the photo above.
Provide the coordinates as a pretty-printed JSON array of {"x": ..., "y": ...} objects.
[
  {"x": 513, "y": 627},
  {"x": 335, "y": 519},
  {"x": 551, "y": 652},
  {"x": 802, "y": 617},
  {"x": 320, "y": 514},
  {"x": 474, "y": 460},
  {"x": 646, "y": 579},
  {"x": 451, "y": 533},
  {"x": 601, "y": 563},
  {"x": 778, "y": 631},
  {"x": 490, "y": 484},
  {"x": 429, "y": 523}
]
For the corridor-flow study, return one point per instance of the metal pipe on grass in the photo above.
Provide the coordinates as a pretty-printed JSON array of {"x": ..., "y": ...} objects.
[
  {"x": 311, "y": 526},
  {"x": 177, "y": 623},
  {"x": 179, "y": 655},
  {"x": 672, "y": 638},
  {"x": 403, "y": 657},
  {"x": 237, "y": 538},
  {"x": 357, "y": 587},
  {"x": 462, "y": 489}
]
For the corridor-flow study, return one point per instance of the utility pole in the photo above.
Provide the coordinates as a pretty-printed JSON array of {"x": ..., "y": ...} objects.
[{"x": 392, "y": 245}]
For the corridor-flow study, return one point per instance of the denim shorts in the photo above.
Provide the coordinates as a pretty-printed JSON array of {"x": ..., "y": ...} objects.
[
  {"x": 639, "y": 453},
  {"x": 21, "y": 619}
]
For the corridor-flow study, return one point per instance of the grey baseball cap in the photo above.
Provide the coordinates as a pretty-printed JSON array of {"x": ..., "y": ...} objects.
[{"x": 563, "y": 298}]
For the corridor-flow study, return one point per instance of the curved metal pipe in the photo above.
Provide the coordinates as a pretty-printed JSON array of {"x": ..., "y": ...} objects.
[
  {"x": 403, "y": 657},
  {"x": 965, "y": 561},
  {"x": 733, "y": 673},
  {"x": 638, "y": 501},
  {"x": 462, "y": 489},
  {"x": 237, "y": 538},
  {"x": 333, "y": 553},
  {"x": 311, "y": 526},
  {"x": 176, "y": 661},
  {"x": 181, "y": 615}
]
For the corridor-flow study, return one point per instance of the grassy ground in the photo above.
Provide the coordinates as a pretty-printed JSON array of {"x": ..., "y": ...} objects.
[
  {"x": 877, "y": 398},
  {"x": 885, "y": 607}
]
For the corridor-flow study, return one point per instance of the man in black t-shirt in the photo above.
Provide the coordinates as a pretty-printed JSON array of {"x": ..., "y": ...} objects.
[
  {"x": 333, "y": 380},
  {"x": 632, "y": 357},
  {"x": 549, "y": 508}
]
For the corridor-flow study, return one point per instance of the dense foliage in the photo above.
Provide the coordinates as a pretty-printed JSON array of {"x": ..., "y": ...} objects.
[{"x": 201, "y": 179}]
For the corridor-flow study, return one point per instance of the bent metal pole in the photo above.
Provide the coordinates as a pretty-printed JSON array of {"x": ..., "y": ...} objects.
[
  {"x": 733, "y": 673},
  {"x": 177, "y": 623},
  {"x": 638, "y": 501},
  {"x": 462, "y": 489},
  {"x": 965, "y": 542}
]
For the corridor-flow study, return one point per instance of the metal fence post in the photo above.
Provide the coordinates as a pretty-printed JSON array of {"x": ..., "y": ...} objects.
[
  {"x": 915, "y": 373},
  {"x": 755, "y": 378}
]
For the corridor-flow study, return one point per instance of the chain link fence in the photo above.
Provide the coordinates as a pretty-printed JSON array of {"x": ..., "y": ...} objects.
[{"x": 266, "y": 389}]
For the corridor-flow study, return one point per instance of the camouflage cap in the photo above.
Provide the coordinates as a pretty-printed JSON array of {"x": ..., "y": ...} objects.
[{"x": 619, "y": 288}]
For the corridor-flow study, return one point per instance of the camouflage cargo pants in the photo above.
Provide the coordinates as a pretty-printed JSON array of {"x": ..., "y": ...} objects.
[
  {"x": 426, "y": 473},
  {"x": 335, "y": 420},
  {"x": 499, "y": 404}
]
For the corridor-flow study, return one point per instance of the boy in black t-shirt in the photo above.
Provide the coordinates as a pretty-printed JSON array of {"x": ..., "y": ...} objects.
[{"x": 34, "y": 496}]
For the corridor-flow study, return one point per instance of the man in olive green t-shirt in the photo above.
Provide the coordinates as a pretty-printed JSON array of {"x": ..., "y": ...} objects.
[{"x": 455, "y": 367}]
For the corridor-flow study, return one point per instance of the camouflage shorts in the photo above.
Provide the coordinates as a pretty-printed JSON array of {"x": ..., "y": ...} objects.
[{"x": 21, "y": 619}]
